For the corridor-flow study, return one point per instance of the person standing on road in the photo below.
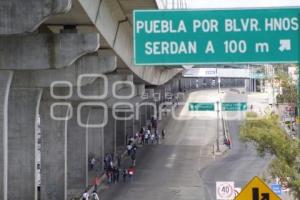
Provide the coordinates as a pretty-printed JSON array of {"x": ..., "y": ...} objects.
[
  {"x": 116, "y": 175},
  {"x": 142, "y": 136},
  {"x": 119, "y": 160},
  {"x": 163, "y": 133},
  {"x": 156, "y": 136},
  {"x": 92, "y": 163},
  {"x": 133, "y": 159},
  {"x": 124, "y": 174},
  {"x": 129, "y": 148},
  {"x": 85, "y": 195},
  {"x": 152, "y": 138},
  {"x": 147, "y": 137}
]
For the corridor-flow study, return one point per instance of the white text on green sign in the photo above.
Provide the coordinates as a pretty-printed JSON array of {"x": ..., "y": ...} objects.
[
  {"x": 216, "y": 36},
  {"x": 233, "y": 106},
  {"x": 201, "y": 106}
]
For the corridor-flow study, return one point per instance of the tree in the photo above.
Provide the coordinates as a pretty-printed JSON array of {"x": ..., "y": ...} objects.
[
  {"x": 268, "y": 137},
  {"x": 289, "y": 89}
]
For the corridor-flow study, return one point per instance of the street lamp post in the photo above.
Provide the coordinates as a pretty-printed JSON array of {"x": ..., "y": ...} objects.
[{"x": 218, "y": 127}]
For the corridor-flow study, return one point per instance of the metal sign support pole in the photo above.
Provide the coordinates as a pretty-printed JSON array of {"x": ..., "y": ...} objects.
[{"x": 218, "y": 127}]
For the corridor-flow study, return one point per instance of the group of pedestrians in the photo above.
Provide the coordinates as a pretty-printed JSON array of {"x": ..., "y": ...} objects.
[
  {"x": 150, "y": 135},
  {"x": 114, "y": 170},
  {"x": 93, "y": 196}
]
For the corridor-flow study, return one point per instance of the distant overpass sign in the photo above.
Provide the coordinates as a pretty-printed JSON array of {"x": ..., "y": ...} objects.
[
  {"x": 176, "y": 37},
  {"x": 201, "y": 106},
  {"x": 233, "y": 106}
]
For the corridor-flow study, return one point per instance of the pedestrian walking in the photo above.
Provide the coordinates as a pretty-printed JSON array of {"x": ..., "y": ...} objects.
[
  {"x": 142, "y": 138},
  {"x": 134, "y": 148},
  {"x": 149, "y": 127},
  {"x": 152, "y": 138},
  {"x": 115, "y": 175},
  {"x": 153, "y": 123},
  {"x": 163, "y": 134},
  {"x": 119, "y": 160},
  {"x": 129, "y": 148},
  {"x": 146, "y": 138},
  {"x": 94, "y": 195},
  {"x": 85, "y": 195},
  {"x": 109, "y": 177},
  {"x": 92, "y": 163},
  {"x": 133, "y": 159},
  {"x": 229, "y": 143},
  {"x": 124, "y": 174},
  {"x": 156, "y": 136}
]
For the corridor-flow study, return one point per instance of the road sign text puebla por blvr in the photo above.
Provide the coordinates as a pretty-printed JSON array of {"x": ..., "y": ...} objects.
[{"x": 216, "y": 36}]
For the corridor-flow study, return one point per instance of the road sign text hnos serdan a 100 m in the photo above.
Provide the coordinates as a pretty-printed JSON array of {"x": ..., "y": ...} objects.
[{"x": 216, "y": 36}]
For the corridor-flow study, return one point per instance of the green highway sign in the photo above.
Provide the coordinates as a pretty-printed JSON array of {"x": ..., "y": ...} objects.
[
  {"x": 258, "y": 75},
  {"x": 176, "y": 37},
  {"x": 234, "y": 106},
  {"x": 201, "y": 106}
]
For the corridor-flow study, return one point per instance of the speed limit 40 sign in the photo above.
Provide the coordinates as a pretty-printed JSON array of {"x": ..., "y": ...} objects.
[{"x": 225, "y": 190}]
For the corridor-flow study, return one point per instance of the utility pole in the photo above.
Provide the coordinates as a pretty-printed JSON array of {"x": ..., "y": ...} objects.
[
  {"x": 298, "y": 103},
  {"x": 218, "y": 127}
]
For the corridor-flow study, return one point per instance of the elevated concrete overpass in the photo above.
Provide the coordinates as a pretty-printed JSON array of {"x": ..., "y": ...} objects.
[{"x": 55, "y": 56}]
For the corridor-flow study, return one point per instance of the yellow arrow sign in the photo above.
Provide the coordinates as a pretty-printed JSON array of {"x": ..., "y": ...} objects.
[{"x": 256, "y": 189}]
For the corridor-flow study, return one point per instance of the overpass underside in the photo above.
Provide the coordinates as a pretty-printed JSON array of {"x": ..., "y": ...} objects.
[{"x": 64, "y": 65}]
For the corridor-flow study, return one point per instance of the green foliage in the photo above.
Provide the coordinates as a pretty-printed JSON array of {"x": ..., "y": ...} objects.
[
  {"x": 251, "y": 115},
  {"x": 268, "y": 137},
  {"x": 289, "y": 89}
]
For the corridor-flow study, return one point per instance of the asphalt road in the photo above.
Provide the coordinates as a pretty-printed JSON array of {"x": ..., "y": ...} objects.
[
  {"x": 240, "y": 165},
  {"x": 182, "y": 166}
]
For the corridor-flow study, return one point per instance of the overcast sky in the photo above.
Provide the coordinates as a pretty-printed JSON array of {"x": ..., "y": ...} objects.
[
  {"x": 241, "y": 3},
  {"x": 194, "y": 4}
]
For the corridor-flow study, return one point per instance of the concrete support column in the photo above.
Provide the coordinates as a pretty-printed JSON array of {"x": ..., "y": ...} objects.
[
  {"x": 5, "y": 81},
  {"x": 120, "y": 130},
  {"x": 96, "y": 138},
  {"x": 143, "y": 116},
  {"x": 53, "y": 151},
  {"x": 136, "y": 123},
  {"x": 110, "y": 134},
  {"x": 129, "y": 126},
  {"x": 22, "y": 118},
  {"x": 77, "y": 156}
]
